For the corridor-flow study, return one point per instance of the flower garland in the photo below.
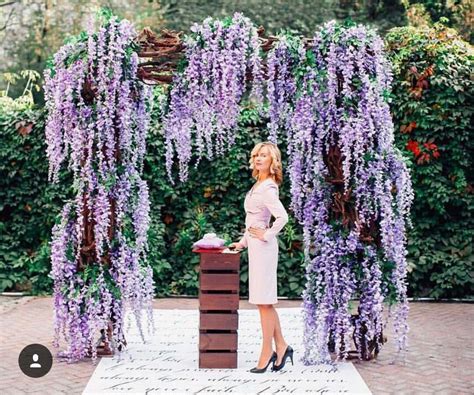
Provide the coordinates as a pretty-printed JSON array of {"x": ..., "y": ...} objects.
[
  {"x": 350, "y": 188},
  {"x": 98, "y": 115},
  {"x": 205, "y": 97}
]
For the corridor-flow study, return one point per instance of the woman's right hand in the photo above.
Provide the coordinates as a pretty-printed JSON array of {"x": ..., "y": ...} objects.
[{"x": 237, "y": 246}]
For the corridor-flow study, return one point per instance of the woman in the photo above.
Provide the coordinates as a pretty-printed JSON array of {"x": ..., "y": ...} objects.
[{"x": 261, "y": 202}]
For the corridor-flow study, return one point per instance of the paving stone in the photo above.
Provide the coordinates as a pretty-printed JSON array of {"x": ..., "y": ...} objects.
[{"x": 440, "y": 359}]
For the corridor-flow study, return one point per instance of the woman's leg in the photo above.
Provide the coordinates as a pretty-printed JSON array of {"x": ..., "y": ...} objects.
[
  {"x": 280, "y": 343},
  {"x": 267, "y": 319}
]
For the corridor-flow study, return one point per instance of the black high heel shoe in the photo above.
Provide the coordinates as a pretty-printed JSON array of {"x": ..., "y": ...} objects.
[
  {"x": 288, "y": 353},
  {"x": 273, "y": 358}
]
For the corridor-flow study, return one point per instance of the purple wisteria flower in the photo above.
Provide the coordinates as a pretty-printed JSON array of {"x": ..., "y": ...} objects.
[
  {"x": 205, "y": 97},
  {"x": 350, "y": 188},
  {"x": 282, "y": 62},
  {"x": 97, "y": 120}
]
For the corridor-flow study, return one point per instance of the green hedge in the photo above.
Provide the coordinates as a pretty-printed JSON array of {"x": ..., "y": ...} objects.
[
  {"x": 432, "y": 109},
  {"x": 440, "y": 244},
  {"x": 28, "y": 203},
  {"x": 211, "y": 201}
]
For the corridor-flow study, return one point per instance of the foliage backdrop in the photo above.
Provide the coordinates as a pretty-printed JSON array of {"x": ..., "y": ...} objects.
[
  {"x": 432, "y": 107},
  {"x": 301, "y": 16},
  {"x": 28, "y": 203}
]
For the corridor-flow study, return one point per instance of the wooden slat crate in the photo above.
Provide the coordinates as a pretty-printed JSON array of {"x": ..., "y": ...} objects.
[
  {"x": 223, "y": 321},
  {"x": 217, "y": 341},
  {"x": 218, "y": 309},
  {"x": 218, "y": 281},
  {"x": 218, "y": 360},
  {"x": 218, "y": 301}
]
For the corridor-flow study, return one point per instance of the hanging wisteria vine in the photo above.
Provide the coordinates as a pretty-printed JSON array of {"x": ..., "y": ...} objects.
[
  {"x": 350, "y": 188},
  {"x": 98, "y": 114},
  {"x": 283, "y": 63},
  {"x": 205, "y": 97}
]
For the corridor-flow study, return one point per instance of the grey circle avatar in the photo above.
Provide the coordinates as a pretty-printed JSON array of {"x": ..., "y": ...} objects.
[{"x": 35, "y": 360}]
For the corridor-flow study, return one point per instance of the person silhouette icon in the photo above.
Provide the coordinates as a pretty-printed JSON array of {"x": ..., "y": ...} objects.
[
  {"x": 35, "y": 363},
  {"x": 35, "y": 360}
]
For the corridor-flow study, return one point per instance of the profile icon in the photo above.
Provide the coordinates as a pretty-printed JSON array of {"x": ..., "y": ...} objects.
[
  {"x": 35, "y": 360},
  {"x": 35, "y": 364}
]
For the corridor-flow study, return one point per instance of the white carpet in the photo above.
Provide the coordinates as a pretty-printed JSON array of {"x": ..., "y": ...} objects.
[{"x": 168, "y": 363}]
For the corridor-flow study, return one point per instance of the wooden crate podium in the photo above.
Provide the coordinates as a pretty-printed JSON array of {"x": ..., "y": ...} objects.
[{"x": 218, "y": 308}]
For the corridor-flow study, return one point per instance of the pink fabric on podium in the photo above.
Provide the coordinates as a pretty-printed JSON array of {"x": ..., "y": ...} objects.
[{"x": 261, "y": 202}]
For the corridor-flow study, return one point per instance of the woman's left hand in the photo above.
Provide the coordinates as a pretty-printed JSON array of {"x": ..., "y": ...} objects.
[{"x": 257, "y": 232}]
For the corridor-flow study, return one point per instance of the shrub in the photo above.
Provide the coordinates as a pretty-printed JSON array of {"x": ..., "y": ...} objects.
[{"x": 432, "y": 109}]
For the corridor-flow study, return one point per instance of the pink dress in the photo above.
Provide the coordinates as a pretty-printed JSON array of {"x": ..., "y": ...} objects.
[{"x": 261, "y": 202}]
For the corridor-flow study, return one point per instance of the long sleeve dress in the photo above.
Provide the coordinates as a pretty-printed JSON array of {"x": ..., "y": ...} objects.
[{"x": 261, "y": 202}]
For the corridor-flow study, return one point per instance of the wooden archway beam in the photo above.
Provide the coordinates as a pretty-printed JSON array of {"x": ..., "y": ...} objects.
[{"x": 164, "y": 52}]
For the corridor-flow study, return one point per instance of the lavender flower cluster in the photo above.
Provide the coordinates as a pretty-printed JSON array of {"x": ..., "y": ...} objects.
[
  {"x": 205, "y": 98},
  {"x": 283, "y": 62},
  {"x": 333, "y": 96},
  {"x": 98, "y": 115}
]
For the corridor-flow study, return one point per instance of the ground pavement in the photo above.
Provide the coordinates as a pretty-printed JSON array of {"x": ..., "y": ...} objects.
[{"x": 440, "y": 359}]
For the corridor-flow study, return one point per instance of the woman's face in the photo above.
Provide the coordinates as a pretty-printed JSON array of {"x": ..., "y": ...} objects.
[{"x": 263, "y": 160}]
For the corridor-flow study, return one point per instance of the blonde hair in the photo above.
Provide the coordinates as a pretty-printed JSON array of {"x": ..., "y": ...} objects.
[{"x": 275, "y": 167}]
